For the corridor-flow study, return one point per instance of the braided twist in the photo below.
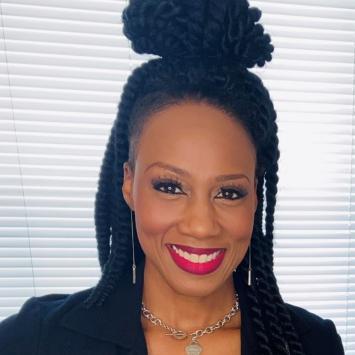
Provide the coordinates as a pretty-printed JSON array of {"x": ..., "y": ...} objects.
[{"x": 187, "y": 35}]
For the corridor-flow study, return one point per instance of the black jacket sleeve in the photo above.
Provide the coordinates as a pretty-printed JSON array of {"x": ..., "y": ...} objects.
[
  {"x": 333, "y": 338},
  {"x": 20, "y": 332},
  {"x": 317, "y": 335}
]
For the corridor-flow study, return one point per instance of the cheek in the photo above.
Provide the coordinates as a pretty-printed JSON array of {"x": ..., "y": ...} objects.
[
  {"x": 240, "y": 225},
  {"x": 154, "y": 216}
]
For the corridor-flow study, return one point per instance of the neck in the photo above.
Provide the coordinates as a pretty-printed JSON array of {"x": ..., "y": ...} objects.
[{"x": 185, "y": 312}]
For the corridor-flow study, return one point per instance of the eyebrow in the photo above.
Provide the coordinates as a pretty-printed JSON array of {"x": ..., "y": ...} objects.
[{"x": 183, "y": 172}]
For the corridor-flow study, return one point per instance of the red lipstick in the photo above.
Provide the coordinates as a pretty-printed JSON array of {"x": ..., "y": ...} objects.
[{"x": 198, "y": 261}]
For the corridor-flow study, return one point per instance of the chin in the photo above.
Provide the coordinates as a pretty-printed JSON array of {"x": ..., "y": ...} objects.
[
  {"x": 192, "y": 285},
  {"x": 194, "y": 289}
]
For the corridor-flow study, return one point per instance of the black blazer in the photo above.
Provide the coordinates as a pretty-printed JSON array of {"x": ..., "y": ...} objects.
[{"x": 58, "y": 324}]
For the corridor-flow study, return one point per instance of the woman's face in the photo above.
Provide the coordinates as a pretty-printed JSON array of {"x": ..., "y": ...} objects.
[{"x": 193, "y": 218}]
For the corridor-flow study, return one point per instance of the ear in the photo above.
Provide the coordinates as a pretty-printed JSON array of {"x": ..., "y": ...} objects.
[{"x": 127, "y": 185}]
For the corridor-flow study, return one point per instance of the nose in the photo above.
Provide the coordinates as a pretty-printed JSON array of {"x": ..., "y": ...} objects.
[{"x": 199, "y": 219}]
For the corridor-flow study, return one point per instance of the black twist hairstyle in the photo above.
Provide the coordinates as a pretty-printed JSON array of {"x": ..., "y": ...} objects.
[{"x": 205, "y": 49}]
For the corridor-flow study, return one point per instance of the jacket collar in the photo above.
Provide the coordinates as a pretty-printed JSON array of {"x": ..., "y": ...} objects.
[{"x": 118, "y": 320}]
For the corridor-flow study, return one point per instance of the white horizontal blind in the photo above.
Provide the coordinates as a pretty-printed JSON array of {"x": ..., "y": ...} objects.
[
  {"x": 62, "y": 67},
  {"x": 311, "y": 80}
]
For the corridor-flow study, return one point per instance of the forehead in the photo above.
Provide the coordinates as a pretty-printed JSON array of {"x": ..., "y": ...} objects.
[{"x": 196, "y": 136}]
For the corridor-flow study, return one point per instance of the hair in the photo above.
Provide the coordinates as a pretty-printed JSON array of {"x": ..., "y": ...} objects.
[{"x": 205, "y": 49}]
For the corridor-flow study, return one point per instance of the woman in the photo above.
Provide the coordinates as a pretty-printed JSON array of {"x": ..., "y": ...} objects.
[{"x": 186, "y": 265}]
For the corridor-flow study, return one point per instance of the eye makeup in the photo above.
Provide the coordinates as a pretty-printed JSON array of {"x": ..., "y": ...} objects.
[{"x": 170, "y": 185}]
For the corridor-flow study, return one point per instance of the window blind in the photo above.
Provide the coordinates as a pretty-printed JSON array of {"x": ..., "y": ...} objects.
[
  {"x": 311, "y": 80},
  {"x": 62, "y": 68}
]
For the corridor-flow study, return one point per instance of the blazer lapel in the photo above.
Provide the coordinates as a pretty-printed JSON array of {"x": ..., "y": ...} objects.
[
  {"x": 118, "y": 322},
  {"x": 98, "y": 330}
]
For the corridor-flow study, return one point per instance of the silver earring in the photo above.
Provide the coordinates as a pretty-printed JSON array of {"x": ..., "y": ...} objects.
[
  {"x": 133, "y": 254},
  {"x": 249, "y": 268}
]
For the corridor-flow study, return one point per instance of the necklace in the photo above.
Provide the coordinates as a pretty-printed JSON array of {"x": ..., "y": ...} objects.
[{"x": 194, "y": 348}]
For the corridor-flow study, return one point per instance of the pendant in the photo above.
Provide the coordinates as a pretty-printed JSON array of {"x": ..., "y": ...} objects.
[{"x": 193, "y": 349}]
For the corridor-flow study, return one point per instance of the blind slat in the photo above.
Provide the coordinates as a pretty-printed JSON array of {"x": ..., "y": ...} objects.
[{"x": 63, "y": 66}]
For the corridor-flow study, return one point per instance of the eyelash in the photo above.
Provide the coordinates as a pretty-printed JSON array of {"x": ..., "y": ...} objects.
[{"x": 164, "y": 182}]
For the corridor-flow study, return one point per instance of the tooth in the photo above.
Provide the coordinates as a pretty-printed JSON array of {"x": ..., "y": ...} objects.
[
  {"x": 194, "y": 258},
  {"x": 202, "y": 258},
  {"x": 190, "y": 257}
]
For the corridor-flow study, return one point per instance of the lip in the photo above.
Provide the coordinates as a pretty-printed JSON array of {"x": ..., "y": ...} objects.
[{"x": 195, "y": 267}]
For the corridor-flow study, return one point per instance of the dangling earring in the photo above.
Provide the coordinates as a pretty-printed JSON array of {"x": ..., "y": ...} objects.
[
  {"x": 249, "y": 268},
  {"x": 133, "y": 254}
]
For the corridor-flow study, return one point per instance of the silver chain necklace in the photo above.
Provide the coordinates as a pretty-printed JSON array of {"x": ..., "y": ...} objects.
[{"x": 194, "y": 348}]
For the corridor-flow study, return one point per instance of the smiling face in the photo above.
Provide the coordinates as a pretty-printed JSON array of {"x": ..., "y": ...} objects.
[{"x": 193, "y": 192}]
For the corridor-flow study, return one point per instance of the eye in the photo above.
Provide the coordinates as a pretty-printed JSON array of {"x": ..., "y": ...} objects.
[
  {"x": 167, "y": 186},
  {"x": 170, "y": 186},
  {"x": 233, "y": 193}
]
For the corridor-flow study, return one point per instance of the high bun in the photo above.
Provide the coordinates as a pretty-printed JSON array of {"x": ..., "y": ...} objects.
[
  {"x": 204, "y": 51},
  {"x": 227, "y": 30}
]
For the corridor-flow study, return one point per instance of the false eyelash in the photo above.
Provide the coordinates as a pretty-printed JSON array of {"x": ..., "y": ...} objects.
[
  {"x": 161, "y": 181},
  {"x": 164, "y": 181},
  {"x": 239, "y": 190}
]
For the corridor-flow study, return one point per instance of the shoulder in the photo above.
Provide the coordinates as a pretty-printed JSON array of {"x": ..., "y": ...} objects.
[
  {"x": 318, "y": 335},
  {"x": 20, "y": 332}
]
